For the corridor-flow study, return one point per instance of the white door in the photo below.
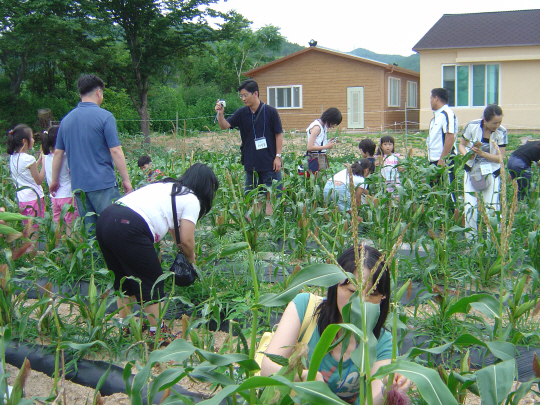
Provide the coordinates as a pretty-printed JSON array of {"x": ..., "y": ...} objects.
[{"x": 355, "y": 107}]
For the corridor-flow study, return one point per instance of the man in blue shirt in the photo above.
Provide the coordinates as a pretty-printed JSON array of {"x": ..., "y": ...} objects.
[
  {"x": 262, "y": 138},
  {"x": 89, "y": 136}
]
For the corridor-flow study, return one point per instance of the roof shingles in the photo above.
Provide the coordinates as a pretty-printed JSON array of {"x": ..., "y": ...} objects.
[{"x": 494, "y": 29}]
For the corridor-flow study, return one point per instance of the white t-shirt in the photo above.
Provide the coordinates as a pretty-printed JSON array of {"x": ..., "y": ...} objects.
[
  {"x": 19, "y": 166},
  {"x": 343, "y": 176},
  {"x": 474, "y": 132},
  {"x": 389, "y": 170},
  {"x": 321, "y": 138},
  {"x": 153, "y": 203},
  {"x": 64, "y": 178},
  {"x": 443, "y": 122}
]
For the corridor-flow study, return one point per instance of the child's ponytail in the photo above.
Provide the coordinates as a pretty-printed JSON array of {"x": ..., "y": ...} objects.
[
  {"x": 16, "y": 136},
  {"x": 48, "y": 139}
]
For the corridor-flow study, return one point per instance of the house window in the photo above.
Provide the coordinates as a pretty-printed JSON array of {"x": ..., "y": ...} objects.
[
  {"x": 471, "y": 85},
  {"x": 412, "y": 94},
  {"x": 394, "y": 91},
  {"x": 285, "y": 96}
]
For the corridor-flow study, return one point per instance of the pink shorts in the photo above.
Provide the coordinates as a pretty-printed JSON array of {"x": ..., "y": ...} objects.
[
  {"x": 31, "y": 209},
  {"x": 57, "y": 204}
]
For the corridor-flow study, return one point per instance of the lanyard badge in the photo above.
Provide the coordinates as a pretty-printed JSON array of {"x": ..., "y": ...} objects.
[{"x": 260, "y": 143}]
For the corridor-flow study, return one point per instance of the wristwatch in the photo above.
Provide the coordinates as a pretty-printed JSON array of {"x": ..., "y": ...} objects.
[{"x": 278, "y": 155}]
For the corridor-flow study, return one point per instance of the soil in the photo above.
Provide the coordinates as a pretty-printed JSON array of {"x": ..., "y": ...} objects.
[
  {"x": 225, "y": 142},
  {"x": 40, "y": 385}
]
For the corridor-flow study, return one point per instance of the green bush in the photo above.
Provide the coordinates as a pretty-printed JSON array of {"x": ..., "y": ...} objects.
[{"x": 120, "y": 105}]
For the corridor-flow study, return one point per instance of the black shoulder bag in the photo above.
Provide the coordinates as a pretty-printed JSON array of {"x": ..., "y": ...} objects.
[{"x": 184, "y": 272}]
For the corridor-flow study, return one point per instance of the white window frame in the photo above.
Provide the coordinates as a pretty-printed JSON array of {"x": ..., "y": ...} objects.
[
  {"x": 391, "y": 93},
  {"x": 470, "y": 83},
  {"x": 273, "y": 103},
  {"x": 409, "y": 93}
]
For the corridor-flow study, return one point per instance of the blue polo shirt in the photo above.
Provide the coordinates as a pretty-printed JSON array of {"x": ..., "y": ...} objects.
[
  {"x": 265, "y": 122},
  {"x": 86, "y": 134}
]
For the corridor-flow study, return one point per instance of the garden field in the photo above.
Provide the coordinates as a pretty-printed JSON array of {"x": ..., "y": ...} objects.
[{"x": 464, "y": 314}]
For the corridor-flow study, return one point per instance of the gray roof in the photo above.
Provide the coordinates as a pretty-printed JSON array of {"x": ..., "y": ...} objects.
[{"x": 478, "y": 30}]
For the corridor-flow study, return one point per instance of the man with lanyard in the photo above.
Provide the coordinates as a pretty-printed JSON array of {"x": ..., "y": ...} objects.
[
  {"x": 442, "y": 134},
  {"x": 262, "y": 138}
]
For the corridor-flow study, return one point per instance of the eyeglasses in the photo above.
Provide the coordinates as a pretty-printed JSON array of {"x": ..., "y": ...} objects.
[{"x": 244, "y": 95}]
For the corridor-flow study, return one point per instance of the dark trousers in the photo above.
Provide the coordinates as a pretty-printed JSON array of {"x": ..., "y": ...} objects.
[{"x": 128, "y": 249}]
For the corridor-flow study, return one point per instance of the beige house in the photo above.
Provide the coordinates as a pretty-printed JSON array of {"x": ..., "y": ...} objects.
[
  {"x": 370, "y": 95},
  {"x": 484, "y": 58}
]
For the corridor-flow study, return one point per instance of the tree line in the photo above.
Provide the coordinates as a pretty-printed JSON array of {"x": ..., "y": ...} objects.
[{"x": 153, "y": 55}]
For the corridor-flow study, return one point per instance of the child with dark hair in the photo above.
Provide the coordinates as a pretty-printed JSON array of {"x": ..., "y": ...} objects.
[
  {"x": 64, "y": 194},
  {"x": 337, "y": 188},
  {"x": 25, "y": 173},
  {"x": 345, "y": 384},
  {"x": 388, "y": 162},
  {"x": 367, "y": 151},
  {"x": 145, "y": 164}
]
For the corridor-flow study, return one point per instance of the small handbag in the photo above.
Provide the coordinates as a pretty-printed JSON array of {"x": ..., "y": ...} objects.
[
  {"x": 317, "y": 161},
  {"x": 184, "y": 272},
  {"x": 479, "y": 181}
]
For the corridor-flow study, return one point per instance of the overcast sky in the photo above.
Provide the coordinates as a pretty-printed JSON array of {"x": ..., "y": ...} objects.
[{"x": 382, "y": 26}]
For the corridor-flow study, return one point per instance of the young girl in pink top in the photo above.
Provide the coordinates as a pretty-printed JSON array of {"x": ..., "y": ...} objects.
[
  {"x": 25, "y": 173},
  {"x": 388, "y": 162},
  {"x": 64, "y": 194}
]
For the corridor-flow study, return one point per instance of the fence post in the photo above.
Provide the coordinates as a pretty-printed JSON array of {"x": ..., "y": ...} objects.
[
  {"x": 406, "y": 126},
  {"x": 176, "y": 131}
]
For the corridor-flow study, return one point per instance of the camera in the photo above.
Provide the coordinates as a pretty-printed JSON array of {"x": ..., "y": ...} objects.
[{"x": 223, "y": 103}]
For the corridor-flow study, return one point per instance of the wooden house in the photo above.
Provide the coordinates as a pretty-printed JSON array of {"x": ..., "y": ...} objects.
[
  {"x": 371, "y": 95},
  {"x": 481, "y": 59}
]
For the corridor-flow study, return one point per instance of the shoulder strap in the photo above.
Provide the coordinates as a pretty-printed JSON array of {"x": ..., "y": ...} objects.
[
  {"x": 310, "y": 321},
  {"x": 175, "y": 215}
]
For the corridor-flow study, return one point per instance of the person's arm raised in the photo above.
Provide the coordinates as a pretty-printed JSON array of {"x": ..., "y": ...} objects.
[{"x": 223, "y": 124}]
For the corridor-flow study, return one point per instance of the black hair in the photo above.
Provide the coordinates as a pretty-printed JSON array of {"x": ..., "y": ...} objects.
[
  {"x": 144, "y": 160},
  {"x": 249, "y": 85},
  {"x": 368, "y": 146},
  {"x": 332, "y": 116},
  {"x": 16, "y": 136},
  {"x": 365, "y": 164},
  {"x": 356, "y": 169},
  {"x": 328, "y": 311},
  {"x": 48, "y": 139},
  {"x": 441, "y": 94},
  {"x": 491, "y": 111},
  {"x": 200, "y": 180},
  {"x": 385, "y": 139},
  {"x": 89, "y": 83}
]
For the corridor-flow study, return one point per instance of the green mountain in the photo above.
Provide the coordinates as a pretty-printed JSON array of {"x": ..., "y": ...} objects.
[
  {"x": 289, "y": 47},
  {"x": 411, "y": 62}
]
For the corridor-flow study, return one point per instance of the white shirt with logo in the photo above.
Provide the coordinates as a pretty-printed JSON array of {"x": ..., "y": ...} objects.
[{"x": 443, "y": 122}]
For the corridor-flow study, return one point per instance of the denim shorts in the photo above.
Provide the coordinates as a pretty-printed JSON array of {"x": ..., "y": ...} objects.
[
  {"x": 338, "y": 194},
  {"x": 255, "y": 179}
]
